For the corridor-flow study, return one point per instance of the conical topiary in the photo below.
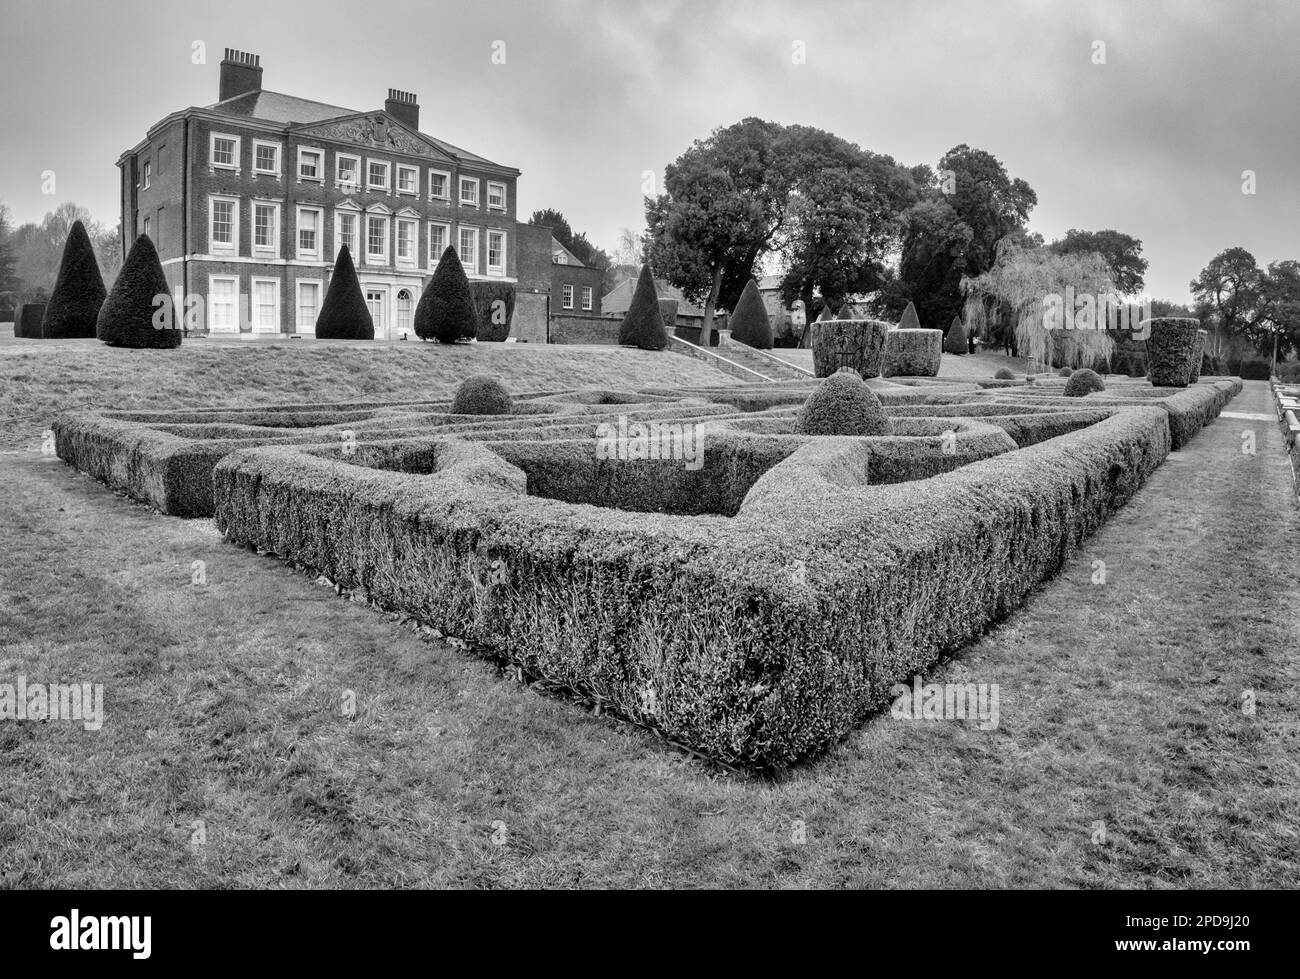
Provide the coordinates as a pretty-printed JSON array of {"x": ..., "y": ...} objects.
[
  {"x": 79, "y": 290},
  {"x": 749, "y": 321},
  {"x": 954, "y": 341},
  {"x": 139, "y": 304},
  {"x": 845, "y": 313},
  {"x": 446, "y": 309},
  {"x": 843, "y": 405},
  {"x": 344, "y": 314},
  {"x": 825, "y": 314},
  {"x": 643, "y": 326},
  {"x": 910, "y": 320}
]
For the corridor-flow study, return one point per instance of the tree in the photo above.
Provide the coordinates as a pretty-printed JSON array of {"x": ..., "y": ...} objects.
[
  {"x": 725, "y": 200},
  {"x": 9, "y": 284},
  {"x": 1123, "y": 253},
  {"x": 78, "y": 292},
  {"x": 955, "y": 229},
  {"x": 344, "y": 314},
  {"x": 643, "y": 326},
  {"x": 749, "y": 321},
  {"x": 446, "y": 309},
  {"x": 135, "y": 314}
]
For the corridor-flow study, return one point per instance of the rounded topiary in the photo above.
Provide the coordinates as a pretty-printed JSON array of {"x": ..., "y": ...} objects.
[
  {"x": 446, "y": 311},
  {"x": 1198, "y": 357},
  {"x": 1065, "y": 371},
  {"x": 913, "y": 353},
  {"x": 1083, "y": 382},
  {"x": 133, "y": 312},
  {"x": 1171, "y": 347},
  {"x": 643, "y": 325},
  {"x": 481, "y": 395},
  {"x": 954, "y": 341},
  {"x": 79, "y": 290},
  {"x": 1004, "y": 374},
  {"x": 842, "y": 405},
  {"x": 749, "y": 322},
  {"x": 344, "y": 314},
  {"x": 858, "y": 344}
]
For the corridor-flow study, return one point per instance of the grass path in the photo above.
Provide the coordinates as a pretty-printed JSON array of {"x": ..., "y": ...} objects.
[{"x": 1120, "y": 708}]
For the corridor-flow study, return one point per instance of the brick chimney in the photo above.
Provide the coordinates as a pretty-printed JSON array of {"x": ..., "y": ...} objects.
[
  {"x": 403, "y": 107},
  {"x": 241, "y": 73}
]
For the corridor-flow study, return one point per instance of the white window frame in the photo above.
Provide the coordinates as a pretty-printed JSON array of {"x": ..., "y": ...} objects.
[
  {"x": 435, "y": 254},
  {"x": 320, "y": 166},
  {"x": 279, "y": 149},
  {"x": 495, "y": 269},
  {"x": 490, "y": 205},
  {"x": 460, "y": 191},
  {"x": 145, "y": 173},
  {"x": 253, "y": 283},
  {"x": 371, "y": 258},
  {"x": 414, "y": 258},
  {"x": 272, "y": 250},
  {"x": 297, "y": 306},
  {"x": 415, "y": 173},
  {"x": 446, "y": 184},
  {"x": 145, "y": 225},
  {"x": 471, "y": 267},
  {"x": 339, "y": 214},
  {"x": 219, "y": 247},
  {"x": 353, "y": 187},
  {"x": 236, "y": 152},
  {"x": 388, "y": 175},
  {"x": 566, "y": 296},
  {"x": 318, "y": 254},
  {"x": 234, "y": 305},
  {"x": 588, "y": 299}
]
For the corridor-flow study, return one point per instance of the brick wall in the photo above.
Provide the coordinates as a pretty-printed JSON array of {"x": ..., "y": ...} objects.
[{"x": 566, "y": 328}]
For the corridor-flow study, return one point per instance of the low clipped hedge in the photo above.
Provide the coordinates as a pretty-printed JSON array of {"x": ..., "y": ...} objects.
[
  {"x": 747, "y": 660},
  {"x": 1172, "y": 350},
  {"x": 913, "y": 353},
  {"x": 859, "y": 344}
]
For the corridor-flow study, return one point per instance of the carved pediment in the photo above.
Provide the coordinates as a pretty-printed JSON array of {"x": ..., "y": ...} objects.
[{"x": 377, "y": 130}]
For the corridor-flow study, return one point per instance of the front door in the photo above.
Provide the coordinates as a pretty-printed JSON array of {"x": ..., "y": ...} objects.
[{"x": 377, "y": 302}]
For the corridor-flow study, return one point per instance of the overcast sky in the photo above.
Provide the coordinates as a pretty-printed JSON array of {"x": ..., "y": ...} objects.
[{"x": 1152, "y": 143}]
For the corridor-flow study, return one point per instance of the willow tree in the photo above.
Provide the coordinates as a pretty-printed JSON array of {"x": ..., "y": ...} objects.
[{"x": 1047, "y": 295}]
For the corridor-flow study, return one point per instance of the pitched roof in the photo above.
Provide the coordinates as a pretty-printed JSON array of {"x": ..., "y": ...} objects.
[
  {"x": 620, "y": 298},
  {"x": 289, "y": 110},
  {"x": 570, "y": 258}
]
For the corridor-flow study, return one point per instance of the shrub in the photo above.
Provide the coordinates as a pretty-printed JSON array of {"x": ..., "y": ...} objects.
[
  {"x": 1083, "y": 382},
  {"x": 1003, "y": 374},
  {"x": 859, "y": 344},
  {"x": 749, "y": 322},
  {"x": 1212, "y": 366},
  {"x": 79, "y": 290},
  {"x": 344, "y": 314},
  {"x": 1254, "y": 370},
  {"x": 481, "y": 395},
  {"x": 446, "y": 309},
  {"x": 1171, "y": 345},
  {"x": 495, "y": 303},
  {"x": 954, "y": 341},
  {"x": 127, "y": 317},
  {"x": 1065, "y": 372},
  {"x": 28, "y": 318},
  {"x": 842, "y": 405},
  {"x": 913, "y": 353},
  {"x": 643, "y": 325},
  {"x": 1287, "y": 373},
  {"x": 909, "y": 320}
]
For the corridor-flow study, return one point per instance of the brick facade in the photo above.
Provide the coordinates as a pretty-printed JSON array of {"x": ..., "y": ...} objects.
[{"x": 198, "y": 178}]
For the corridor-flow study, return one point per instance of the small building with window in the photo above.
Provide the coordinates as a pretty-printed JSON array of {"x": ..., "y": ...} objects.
[
  {"x": 250, "y": 199},
  {"x": 575, "y": 288}
]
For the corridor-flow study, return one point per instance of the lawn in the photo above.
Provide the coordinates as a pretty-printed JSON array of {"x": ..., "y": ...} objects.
[{"x": 1123, "y": 757}]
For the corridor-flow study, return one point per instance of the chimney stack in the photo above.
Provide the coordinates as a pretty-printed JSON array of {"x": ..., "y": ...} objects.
[
  {"x": 241, "y": 73},
  {"x": 403, "y": 107}
]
